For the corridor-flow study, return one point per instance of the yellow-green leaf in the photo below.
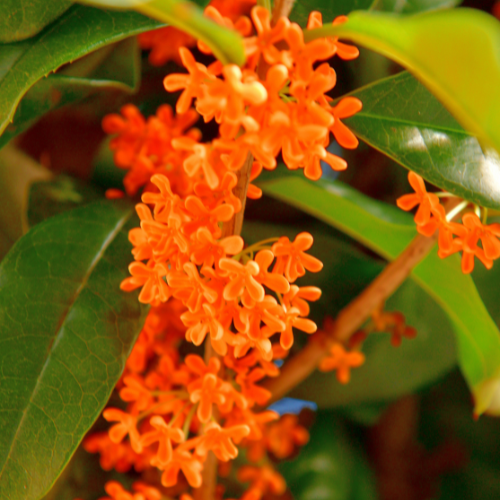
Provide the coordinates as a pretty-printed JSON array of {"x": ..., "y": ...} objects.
[{"x": 455, "y": 53}]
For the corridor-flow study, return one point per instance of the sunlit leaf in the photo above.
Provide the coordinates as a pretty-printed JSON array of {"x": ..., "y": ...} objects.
[
  {"x": 386, "y": 231},
  {"x": 67, "y": 330},
  {"x": 20, "y": 19},
  {"x": 77, "y": 32},
  {"x": 401, "y": 118},
  {"x": 455, "y": 53}
]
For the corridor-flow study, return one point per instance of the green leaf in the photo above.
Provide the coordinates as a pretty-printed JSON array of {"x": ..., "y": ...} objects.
[
  {"x": 76, "y": 33},
  {"x": 382, "y": 229},
  {"x": 455, "y": 53},
  {"x": 414, "y": 6},
  {"x": 57, "y": 195},
  {"x": 330, "y": 466},
  {"x": 67, "y": 330},
  {"x": 119, "y": 72},
  {"x": 403, "y": 120},
  {"x": 330, "y": 10},
  {"x": 20, "y": 19},
  {"x": 226, "y": 44}
]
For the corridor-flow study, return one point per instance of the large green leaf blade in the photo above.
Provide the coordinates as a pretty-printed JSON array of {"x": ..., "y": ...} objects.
[
  {"x": 79, "y": 31},
  {"x": 66, "y": 332},
  {"x": 403, "y": 120},
  {"x": 376, "y": 226},
  {"x": 20, "y": 19},
  {"x": 455, "y": 53}
]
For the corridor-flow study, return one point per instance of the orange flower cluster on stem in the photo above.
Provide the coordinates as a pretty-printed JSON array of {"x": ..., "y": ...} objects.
[
  {"x": 206, "y": 285},
  {"x": 453, "y": 237}
]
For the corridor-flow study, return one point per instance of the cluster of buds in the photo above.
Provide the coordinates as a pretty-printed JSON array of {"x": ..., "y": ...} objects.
[
  {"x": 203, "y": 284},
  {"x": 453, "y": 237}
]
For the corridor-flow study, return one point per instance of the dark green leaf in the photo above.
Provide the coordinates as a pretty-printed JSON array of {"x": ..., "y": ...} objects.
[
  {"x": 76, "y": 33},
  {"x": 455, "y": 53},
  {"x": 330, "y": 10},
  {"x": 20, "y": 19},
  {"x": 401, "y": 118},
  {"x": 67, "y": 330},
  {"x": 330, "y": 466},
  {"x": 58, "y": 195},
  {"x": 414, "y": 6},
  {"x": 377, "y": 226},
  {"x": 118, "y": 72}
]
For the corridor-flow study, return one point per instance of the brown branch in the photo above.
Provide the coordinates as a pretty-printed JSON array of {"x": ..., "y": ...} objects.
[
  {"x": 351, "y": 318},
  {"x": 240, "y": 191}
]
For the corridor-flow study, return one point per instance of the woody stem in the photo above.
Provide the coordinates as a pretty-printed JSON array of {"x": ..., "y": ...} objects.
[{"x": 351, "y": 318}]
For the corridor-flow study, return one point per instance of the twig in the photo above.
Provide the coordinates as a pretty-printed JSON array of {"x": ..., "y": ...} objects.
[
  {"x": 240, "y": 191},
  {"x": 282, "y": 8},
  {"x": 351, "y": 317}
]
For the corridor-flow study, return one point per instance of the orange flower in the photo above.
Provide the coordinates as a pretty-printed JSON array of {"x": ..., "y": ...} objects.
[
  {"x": 341, "y": 361},
  {"x": 191, "y": 83},
  {"x": 292, "y": 260},
  {"x": 220, "y": 440},
  {"x": 150, "y": 278},
  {"x": 185, "y": 461},
  {"x": 127, "y": 425},
  {"x": 264, "y": 479},
  {"x": 345, "y": 108},
  {"x": 206, "y": 396},
  {"x": 241, "y": 279},
  {"x": 164, "y": 435},
  {"x": 428, "y": 202}
]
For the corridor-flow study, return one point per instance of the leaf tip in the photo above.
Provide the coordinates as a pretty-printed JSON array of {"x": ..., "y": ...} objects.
[{"x": 487, "y": 397}]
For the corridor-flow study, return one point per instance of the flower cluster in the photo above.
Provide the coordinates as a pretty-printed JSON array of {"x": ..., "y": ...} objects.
[
  {"x": 180, "y": 409},
  {"x": 202, "y": 282},
  {"x": 453, "y": 237}
]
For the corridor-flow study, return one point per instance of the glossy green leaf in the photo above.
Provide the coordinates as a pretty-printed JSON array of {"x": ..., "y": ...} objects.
[
  {"x": 403, "y": 120},
  {"x": 330, "y": 10},
  {"x": 20, "y": 19},
  {"x": 57, "y": 195},
  {"x": 330, "y": 466},
  {"x": 387, "y": 231},
  {"x": 226, "y": 44},
  {"x": 76, "y": 33},
  {"x": 414, "y": 6},
  {"x": 455, "y": 53},
  {"x": 389, "y": 372},
  {"x": 117, "y": 72},
  {"x": 67, "y": 330}
]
